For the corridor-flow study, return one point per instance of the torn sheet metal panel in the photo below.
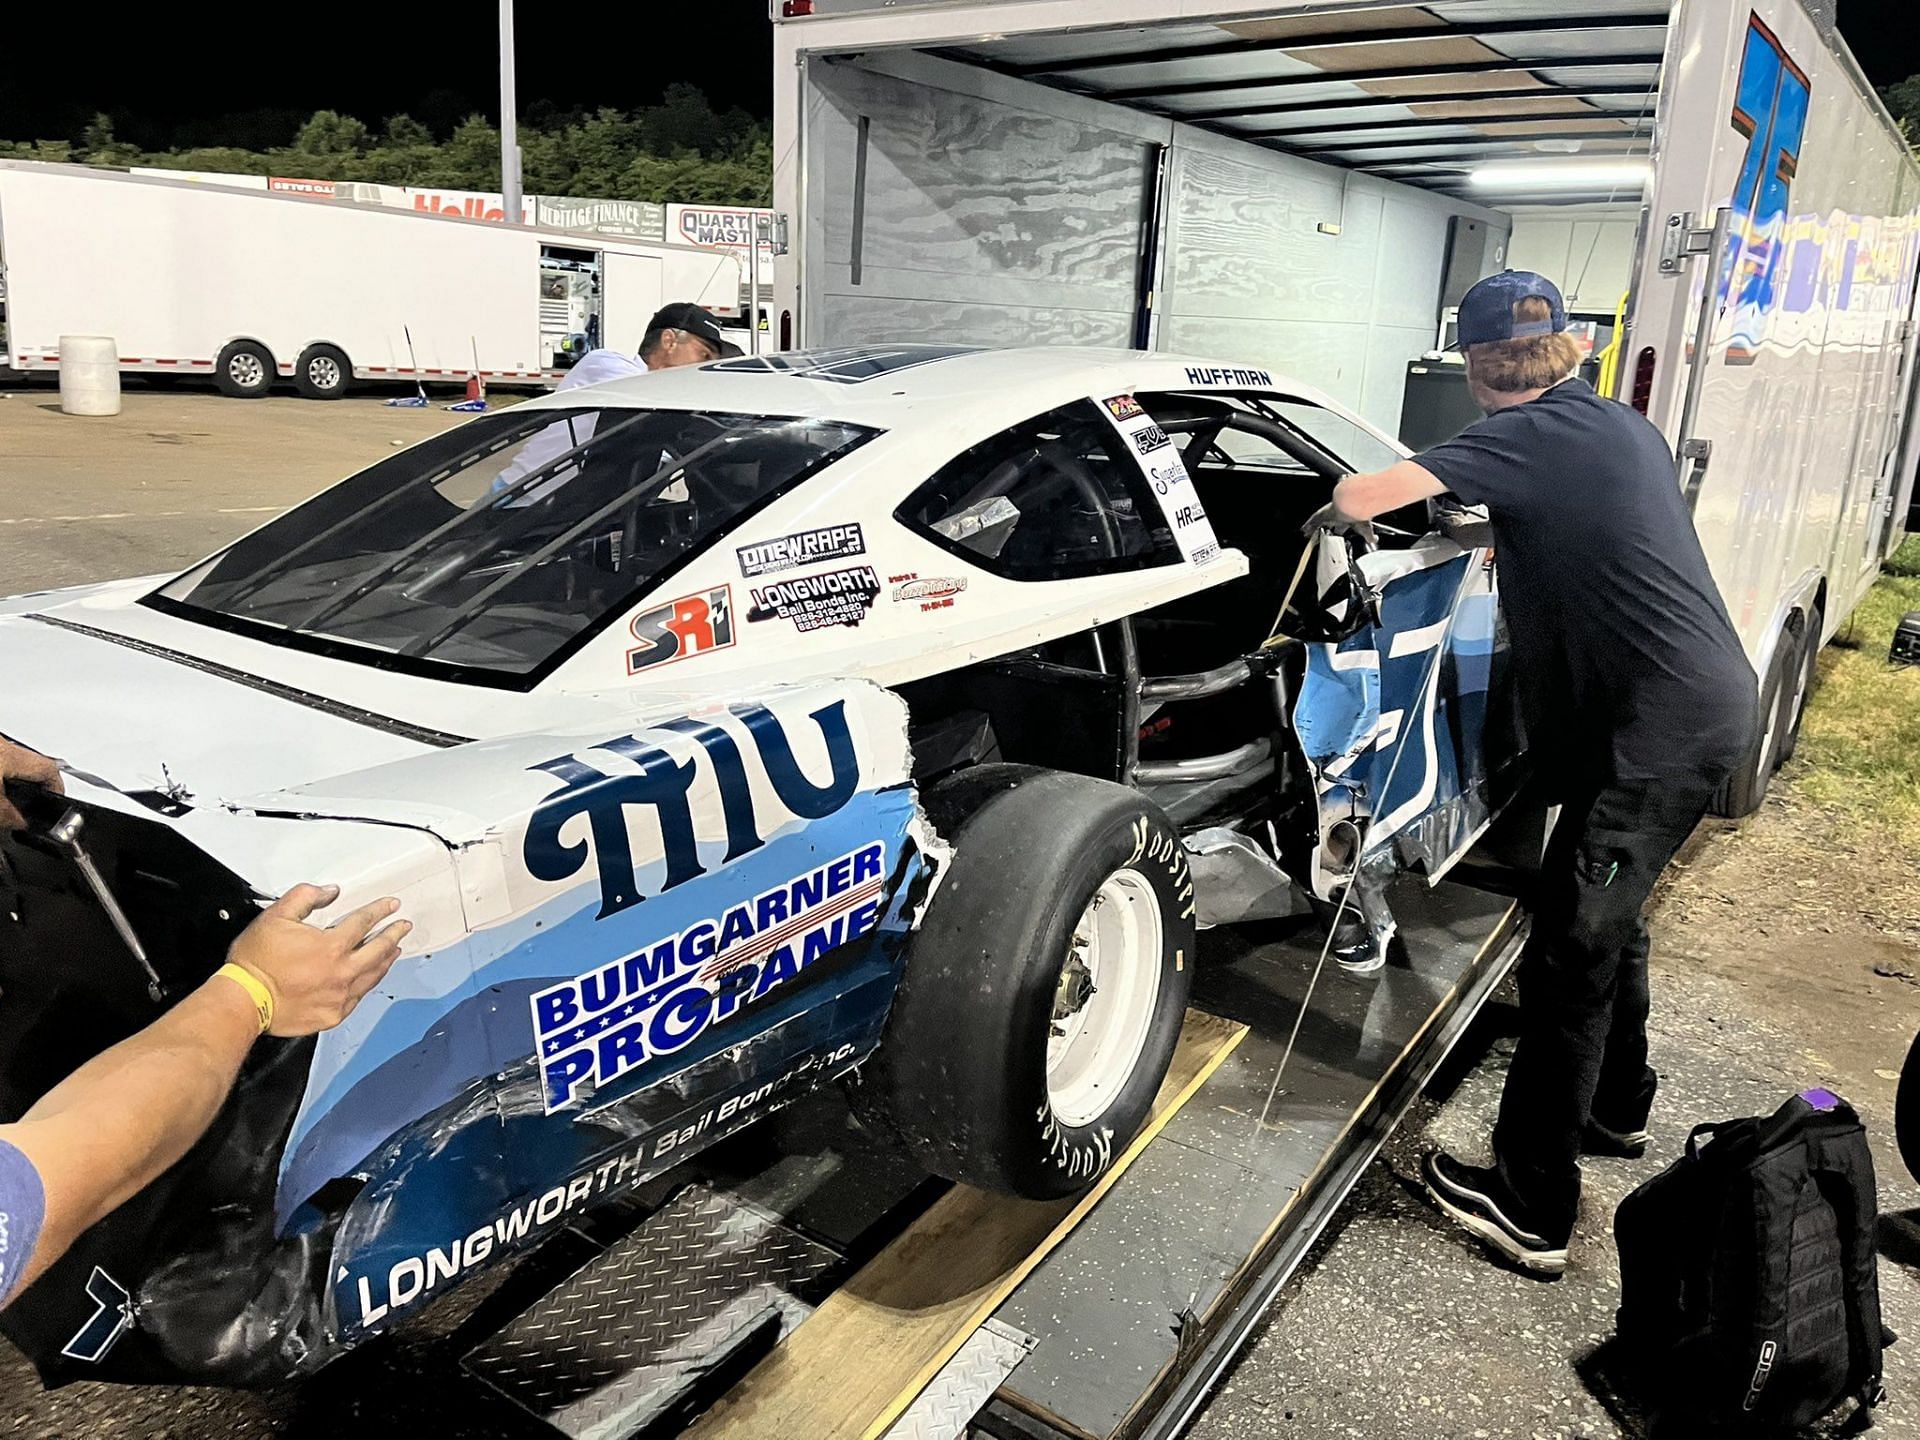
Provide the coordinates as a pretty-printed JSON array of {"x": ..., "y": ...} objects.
[
  {"x": 1393, "y": 717},
  {"x": 640, "y": 940}
]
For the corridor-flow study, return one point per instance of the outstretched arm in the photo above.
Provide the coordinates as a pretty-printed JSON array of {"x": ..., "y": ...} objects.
[
  {"x": 17, "y": 763},
  {"x": 124, "y": 1118},
  {"x": 1361, "y": 497}
]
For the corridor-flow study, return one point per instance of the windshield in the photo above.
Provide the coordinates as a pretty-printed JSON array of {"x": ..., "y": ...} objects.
[{"x": 494, "y": 546}]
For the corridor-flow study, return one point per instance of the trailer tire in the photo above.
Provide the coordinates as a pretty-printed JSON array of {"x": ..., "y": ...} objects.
[
  {"x": 322, "y": 372},
  {"x": 1742, "y": 791},
  {"x": 1809, "y": 671},
  {"x": 1043, "y": 994},
  {"x": 1906, "y": 1110},
  {"x": 244, "y": 370}
]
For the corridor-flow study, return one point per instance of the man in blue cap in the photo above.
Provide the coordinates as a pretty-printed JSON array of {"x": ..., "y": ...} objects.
[{"x": 1638, "y": 703}]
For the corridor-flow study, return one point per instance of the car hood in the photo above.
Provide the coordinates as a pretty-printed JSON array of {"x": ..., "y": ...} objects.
[{"x": 140, "y": 719}]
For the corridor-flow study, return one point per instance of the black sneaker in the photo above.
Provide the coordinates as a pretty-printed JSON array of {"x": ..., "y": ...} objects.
[{"x": 1481, "y": 1201}]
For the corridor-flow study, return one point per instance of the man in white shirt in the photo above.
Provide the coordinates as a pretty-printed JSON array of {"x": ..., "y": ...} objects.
[{"x": 679, "y": 334}]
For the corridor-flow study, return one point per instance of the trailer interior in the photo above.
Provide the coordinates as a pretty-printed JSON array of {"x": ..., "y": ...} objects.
[{"x": 1308, "y": 190}]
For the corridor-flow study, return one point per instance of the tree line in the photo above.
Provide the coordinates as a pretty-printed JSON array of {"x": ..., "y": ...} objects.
[{"x": 679, "y": 150}]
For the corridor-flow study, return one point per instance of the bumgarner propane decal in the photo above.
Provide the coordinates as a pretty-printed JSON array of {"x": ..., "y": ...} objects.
[{"x": 612, "y": 1019}]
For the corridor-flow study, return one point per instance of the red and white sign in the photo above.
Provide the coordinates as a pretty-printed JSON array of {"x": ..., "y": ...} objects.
[{"x": 468, "y": 203}]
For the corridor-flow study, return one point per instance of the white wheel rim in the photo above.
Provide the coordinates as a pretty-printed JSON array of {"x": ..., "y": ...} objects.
[
  {"x": 323, "y": 372},
  {"x": 246, "y": 369},
  {"x": 1101, "y": 1022}
]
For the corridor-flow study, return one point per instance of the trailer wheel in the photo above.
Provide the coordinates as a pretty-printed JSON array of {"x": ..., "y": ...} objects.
[
  {"x": 1741, "y": 793},
  {"x": 1906, "y": 1110},
  {"x": 322, "y": 372},
  {"x": 244, "y": 370},
  {"x": 1044, "y": 991},
  {"x": 1804, "y": 677}
]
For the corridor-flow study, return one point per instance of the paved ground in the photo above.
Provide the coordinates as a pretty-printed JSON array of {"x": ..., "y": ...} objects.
[
  {"x": 176, "y": 474},
  {"x": 1779, "y": 964},
  {"x": 1785, "y": 956}
]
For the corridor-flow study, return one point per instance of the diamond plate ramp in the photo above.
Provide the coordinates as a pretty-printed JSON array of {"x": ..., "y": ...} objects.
[
  {"x": 967, "y": 1381},
  {"x": 611, "y": 1349}
]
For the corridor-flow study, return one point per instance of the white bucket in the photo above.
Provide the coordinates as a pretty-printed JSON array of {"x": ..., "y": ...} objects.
[{"x": 89, "y": 375}]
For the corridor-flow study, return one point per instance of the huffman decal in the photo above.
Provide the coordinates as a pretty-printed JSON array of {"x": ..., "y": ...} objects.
[{"x": 1226, "y": 375}]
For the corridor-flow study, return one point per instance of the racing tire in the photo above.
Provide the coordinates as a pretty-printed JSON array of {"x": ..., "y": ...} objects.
[
  {"x": 244, "y": 370},
  {"x": 1043, "y": 994},
  {"x": 1906, "y": 1111},
  {"x": 1741, "y": 792},
  {"x": 1806, "y": 677},
  {"x": 322, "y": 372}
]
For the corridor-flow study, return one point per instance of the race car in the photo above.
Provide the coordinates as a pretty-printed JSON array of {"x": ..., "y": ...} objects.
[{"x": 887, "y": 714}]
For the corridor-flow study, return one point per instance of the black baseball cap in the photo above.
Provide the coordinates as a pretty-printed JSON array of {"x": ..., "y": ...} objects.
[
  {"x": 685, "y": 315},
  {"x": 1486, "y": 311}
]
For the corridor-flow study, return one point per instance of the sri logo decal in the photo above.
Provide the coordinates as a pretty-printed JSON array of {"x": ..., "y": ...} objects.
[{"x": 691, "y": 625}]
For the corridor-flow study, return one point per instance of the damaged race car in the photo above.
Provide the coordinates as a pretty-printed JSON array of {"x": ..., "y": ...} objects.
[{"x": 898, "y": 713}]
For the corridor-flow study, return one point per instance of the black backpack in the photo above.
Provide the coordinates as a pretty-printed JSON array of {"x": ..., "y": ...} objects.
[{"x": 1749, "y": 1294}]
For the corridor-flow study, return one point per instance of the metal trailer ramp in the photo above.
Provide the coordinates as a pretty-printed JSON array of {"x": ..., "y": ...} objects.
[
  {"x": 1144, "y": 1306},
  {"x": 1121, "y": 1330}
]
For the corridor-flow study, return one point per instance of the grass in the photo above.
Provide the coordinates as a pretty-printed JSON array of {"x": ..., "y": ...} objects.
[{"x": 1860, "y": 743}]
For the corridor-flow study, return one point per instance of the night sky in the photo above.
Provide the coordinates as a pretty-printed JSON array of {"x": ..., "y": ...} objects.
[{"x": 226, "y": 76}]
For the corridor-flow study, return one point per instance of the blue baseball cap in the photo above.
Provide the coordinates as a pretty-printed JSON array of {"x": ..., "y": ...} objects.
[{"x": 1486, "y": 311}]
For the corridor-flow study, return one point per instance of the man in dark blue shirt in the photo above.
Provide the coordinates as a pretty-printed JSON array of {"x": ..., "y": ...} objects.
[
  {"x": 117, "y": 1123},
  {"x": 1638, "y": 703}
]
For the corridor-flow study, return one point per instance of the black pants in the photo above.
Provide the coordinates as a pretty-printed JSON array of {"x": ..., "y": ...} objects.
[{"x": 1583, "y": 983}]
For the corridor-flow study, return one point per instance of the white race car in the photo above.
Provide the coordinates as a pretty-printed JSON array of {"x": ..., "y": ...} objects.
[{"x": 724, "y": 731}]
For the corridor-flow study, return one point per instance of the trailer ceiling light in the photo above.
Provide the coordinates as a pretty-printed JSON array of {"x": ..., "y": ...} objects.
[{"x": 1568, "y": 175}]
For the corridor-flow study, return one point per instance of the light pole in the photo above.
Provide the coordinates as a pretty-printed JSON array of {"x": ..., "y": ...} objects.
[{"x": 509, "y": 130}]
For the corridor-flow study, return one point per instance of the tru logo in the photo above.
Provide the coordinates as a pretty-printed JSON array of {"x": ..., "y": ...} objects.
[{"x": 665, "y": 785}]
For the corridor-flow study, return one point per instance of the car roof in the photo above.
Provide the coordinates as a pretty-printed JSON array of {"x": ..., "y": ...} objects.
[{"x": 884, "y": 385}]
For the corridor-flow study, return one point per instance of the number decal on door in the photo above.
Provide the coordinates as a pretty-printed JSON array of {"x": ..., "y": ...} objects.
[{"x": 1770, "y": 110}]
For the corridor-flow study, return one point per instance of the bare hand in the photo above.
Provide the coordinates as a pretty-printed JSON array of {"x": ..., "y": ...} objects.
[
  {"x": 19, "y": 763},
  {"x": 318, "y": 976}
]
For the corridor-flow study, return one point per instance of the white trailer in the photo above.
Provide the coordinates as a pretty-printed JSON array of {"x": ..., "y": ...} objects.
[
  {"x": 251, "y": 286},
  {"x": 1307, "y": 186}
]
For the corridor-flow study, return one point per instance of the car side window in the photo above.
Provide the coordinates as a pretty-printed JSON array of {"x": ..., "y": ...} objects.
[{"x": 1053, "y": 498}]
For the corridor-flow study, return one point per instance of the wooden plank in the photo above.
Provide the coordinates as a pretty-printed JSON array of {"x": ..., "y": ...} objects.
[{"x": 858, "y": 1361}]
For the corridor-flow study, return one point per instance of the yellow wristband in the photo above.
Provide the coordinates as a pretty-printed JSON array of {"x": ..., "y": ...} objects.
[{"x": 256, "y": 991}]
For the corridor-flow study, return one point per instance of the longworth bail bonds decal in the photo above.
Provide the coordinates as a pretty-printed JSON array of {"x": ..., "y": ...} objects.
[{"x": 813, "y": 602}]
